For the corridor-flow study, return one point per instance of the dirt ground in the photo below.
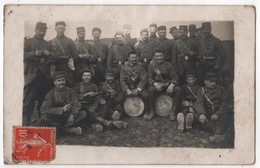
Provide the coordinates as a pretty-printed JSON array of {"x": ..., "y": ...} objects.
[{"x": 159, "y": 132}]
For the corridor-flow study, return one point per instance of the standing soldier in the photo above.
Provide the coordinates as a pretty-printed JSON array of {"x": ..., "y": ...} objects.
[
  {"x": 212, "y": 108},
  {"x": 133, "y": 78},
  {"x": 192, "y": 32},
  {"x": 153, "y": 31},
  {"x": 86, "y": 54},
  {"x": 101, "y": 51},
  {"x": 162, "y": 78},
  {"x": 61, "y": 108},
  {"x": 127, "y": 33},
  {"x": 175, "y": 33},
  {"x": 118, "y": 54},
  {"x": 144, "y": 48},
  {"x": 212, "y": 54},
  {"x": 37, "y": 81},
  {"x": 65, "y": 49},
  {"x": 187, "y": 51}
]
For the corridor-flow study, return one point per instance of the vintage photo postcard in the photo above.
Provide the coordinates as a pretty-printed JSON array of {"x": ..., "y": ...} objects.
[{"x": 129, "y": 84}]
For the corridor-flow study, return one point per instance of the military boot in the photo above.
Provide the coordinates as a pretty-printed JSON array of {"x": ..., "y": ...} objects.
[
  {"x": 189, "y": 121},
  {"x": 75, "y": 131},
  {"x": 180, "y": 120}
]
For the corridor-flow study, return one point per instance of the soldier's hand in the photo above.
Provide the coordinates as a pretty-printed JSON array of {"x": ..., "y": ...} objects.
[
  {"x": 214, "y": 117},
  {"x": 70, "y": 120},
  {"x": 91, "y": 94},
  {"x": 191, "y": 52},
  {"x": 46, "y": 52},
  {"x": 128, "y": 92},
  {"x": 202, "y": 118},
  {"x": 170, "y": 89},
  {"x": 157, "y": 86},
  {"x": 92, "y": 109},
  {"x": 185, "y": 103},
  {"x": 67, "y": 108},
  {"x": 135, "y": 92},
  {"x": 38, "y": 53}
]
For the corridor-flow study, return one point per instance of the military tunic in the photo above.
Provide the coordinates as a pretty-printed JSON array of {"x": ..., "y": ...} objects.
[
  {"x": 130, "y": 41},
  {"x": 166, "y": 45},
  {"x": 189, "y": 94},
  {"x": 145, "y": 51}
]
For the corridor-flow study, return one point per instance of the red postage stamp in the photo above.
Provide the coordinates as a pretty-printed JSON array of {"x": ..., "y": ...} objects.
[{"x": 34, "y": 144}]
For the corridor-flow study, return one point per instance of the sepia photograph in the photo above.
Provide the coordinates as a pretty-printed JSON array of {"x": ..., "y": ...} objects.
[{"x": 129, "y": 77}]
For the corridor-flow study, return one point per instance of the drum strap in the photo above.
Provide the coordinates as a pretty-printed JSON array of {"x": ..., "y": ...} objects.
[
  {"x": 81, "y": 45},
  {"x": 205, "y": 49},
  {"x": 207, "y": 98},
  {"x": 193, "y": 94},
  {"x": 109, "y": 87},
  {"x": 187, "y": 49}
]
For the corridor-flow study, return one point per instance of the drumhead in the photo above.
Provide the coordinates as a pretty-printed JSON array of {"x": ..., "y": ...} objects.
[
  {"x": 163, "y": 105},
  {"x": 134, "y": 106}
]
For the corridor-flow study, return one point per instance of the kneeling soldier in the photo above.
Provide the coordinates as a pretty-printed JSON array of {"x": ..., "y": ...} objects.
[
  {"x": 162, "y": 78},
  {"x": 211, "y": 107},
  {"x": 189, "y": 96},
  {"x": 61, "y": 108}
]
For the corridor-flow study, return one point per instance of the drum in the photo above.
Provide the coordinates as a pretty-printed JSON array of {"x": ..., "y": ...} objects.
[
  {"x": 163, "y": 105},
  {"x": 134, "y": 106}
]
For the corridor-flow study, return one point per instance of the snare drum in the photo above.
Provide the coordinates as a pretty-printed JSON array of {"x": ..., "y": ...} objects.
[
  {"x": 163, "y": 105},
  {"x": 134, "y": 106}
]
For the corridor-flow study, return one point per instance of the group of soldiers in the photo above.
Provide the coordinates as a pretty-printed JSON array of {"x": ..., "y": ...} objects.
[{"x": 92, "y": 80}]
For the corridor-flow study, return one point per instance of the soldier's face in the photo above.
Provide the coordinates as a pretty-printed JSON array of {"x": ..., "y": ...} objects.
[
  {"x": 159, "y": 57},
  {"x": 206, "y": 30},
  {"x": 183, "y": 33},
  {"x": 127, "y": 31},
  {"x": 86, "y": 77},
  {"x": 120, "y": 39},
  {"x": 96, "y": 35},
  {"x": 211, "y": 84},
  {"x": 199, "y": 34},
  {"x": 153, "y": 30},
  {"x": 60, "y": 83},
  {"x": 162, "y": 33},
  {"x": 192, "y": 33},
  {"x": 144, "y": 36},
  {"x": 133, "y": 58},
  {"x": 81, "y": 35},
  {"x": 175, "y": 33},
  {"x": 191, "y": 80},
  {"x": 40, "y": 33},
  {"x": 60, "y": 29},
  {"x": 109, "y": 78}
]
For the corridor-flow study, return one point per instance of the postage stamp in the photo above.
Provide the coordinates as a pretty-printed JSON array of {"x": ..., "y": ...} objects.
[{"x": 34, "y": 144}]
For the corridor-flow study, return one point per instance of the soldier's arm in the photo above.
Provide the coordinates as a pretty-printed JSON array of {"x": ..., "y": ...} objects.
[
  {"x": 75, "y": 102},
  {"x": 143, "y": 77},
  {"x": 224, "y": 105},
  {"x": 221, "y": 53},
  {"x": 173, "y": 74},
  {"x": 47, "y": 105},
  {"x": 123, "y": 79},
  {"x": 79, "y": 95},
  {"x": 175, "y": 53},
  {"x": 110, "y": 58},
  {"x": 199, "y": 104},
  {"x": 93, "y": 55},
  {"x": 150, "y": 74},
  {"x": 73, "y": 50},
  {"x": 28, "y": 51}
]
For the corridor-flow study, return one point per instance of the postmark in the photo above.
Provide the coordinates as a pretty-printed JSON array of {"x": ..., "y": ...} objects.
[{"x": 34, "y": 144}]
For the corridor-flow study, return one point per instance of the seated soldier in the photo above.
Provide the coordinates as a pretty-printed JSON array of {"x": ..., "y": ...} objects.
[
  {"x": 162, "y": 79},
  {"x": 133, "y": 78},
  {"x": 211, "y": 107},
  {"x": 189, "y": 96},
  {"x": 88, "y": 95},
  {"x": 60, "y": 108},
  {"x": 113, "y": 95}
]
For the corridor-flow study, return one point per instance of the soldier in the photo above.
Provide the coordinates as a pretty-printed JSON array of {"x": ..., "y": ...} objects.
[
  {"x": 211, "y": 107},
  {"x": 162, "y": 78},
  {"x": 192, "y": 32},
  {"x": 187, "y": 51},
  {"x": 133, "y": 78},
  {"x": 167, "y": 46},
  {"x": 199, "y": 34},
  {"x": 101, "y": 51},
  {"x": 37, "y": 81},
  {"x": 127, "y": 34},
  {"x": 113, "y": 95},
  {"x": 175, "y": 33},
  {"x": 212, "y": 54},
  {"x": 189, "y": 97},
  {"x": 61, "y": 108},
  {"x": 153, "y": 31},
  {"x": 65, "y": 49},
  {"x": 144, "y": 48},
  {"x": 86, "y": 54},
  {"x": 117, "y": 54}
]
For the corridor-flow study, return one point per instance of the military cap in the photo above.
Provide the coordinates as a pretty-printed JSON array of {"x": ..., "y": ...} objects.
[
  {"x": 183, "y": 27},
  {"x": 96, "y": 29},
  {"x": 131, "y": 52},
  {"x": 162, "y": 27},
  {"x": 40, "y": 25},
  {"x": 199, "y": 29},
  {"x": 158, "y": 51},
  {"x": 173, "y": 28},
  {"x": 81, "y": 29},
  {"x": 144, "y": 30},
  {"x": 59, "y": 74},
  {"x": 119, "y": 33},
  {"x": 211, "y": 76},
  {"x": 153, "y": 25},
  {"x": 60, "y": 23},
  {"x": 127, "y": 26},
  {"x": 192, "y": 27},
  {"x": 190, "y": 73},
  {"x": 109, "y": 73},
  {"x": 206, "y": 24}
]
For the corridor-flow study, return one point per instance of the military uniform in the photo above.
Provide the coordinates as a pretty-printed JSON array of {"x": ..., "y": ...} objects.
[
  {"x": 163, "y": 73},
  {"x": 53, "y": 113},
  {"x": 176, "y": 37},
  {"x": 209, "y": 102},
  {"x": 212, "y": 56},
  {"x": 37, "y": 81},
  {"x": 65, "y": 49}
]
